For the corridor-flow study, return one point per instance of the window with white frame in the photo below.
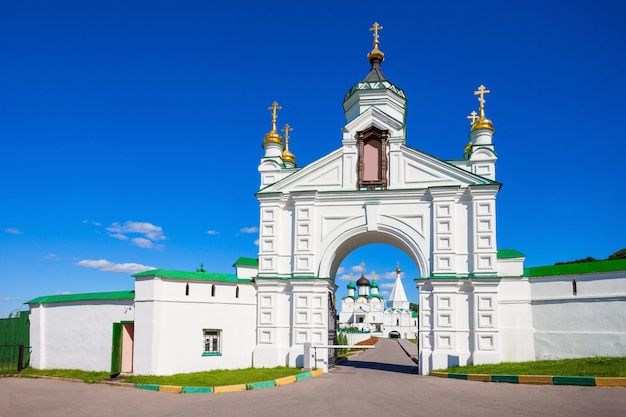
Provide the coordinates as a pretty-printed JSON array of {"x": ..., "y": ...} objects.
[{"x": 212, "y": 342}]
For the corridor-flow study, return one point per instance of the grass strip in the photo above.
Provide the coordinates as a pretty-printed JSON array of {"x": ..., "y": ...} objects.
[
  {"x": 600, "y": 367},
  {"x": 216, "y": 378}
]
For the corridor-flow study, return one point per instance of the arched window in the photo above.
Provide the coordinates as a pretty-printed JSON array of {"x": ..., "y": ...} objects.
[
  {"x": 213, "y": 290},
  {"x": 574, "y": 289},
  {"x": 187, "y": 289}
]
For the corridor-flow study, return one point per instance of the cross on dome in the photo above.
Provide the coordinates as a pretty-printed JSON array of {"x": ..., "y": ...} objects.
[
  {"x": 473, "y": 116},
  {"x": 375, "y": 28}
]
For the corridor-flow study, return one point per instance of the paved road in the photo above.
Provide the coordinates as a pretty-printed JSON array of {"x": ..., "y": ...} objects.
[{"x": 381, "y": 381}]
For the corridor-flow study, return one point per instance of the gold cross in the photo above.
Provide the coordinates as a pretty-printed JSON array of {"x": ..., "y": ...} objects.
[
  {"x": 473, "y": 116},
  {"x": 481, "y": 92},
  {"x": 375, "y": 29},
  {"x": 274, "y": 107},
  {"x": 287, "y": 129},
  {"x": 362, "y": 267}
]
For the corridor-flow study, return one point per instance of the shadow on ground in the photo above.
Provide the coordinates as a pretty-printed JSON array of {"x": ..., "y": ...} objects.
[{"x": 389, "y": 367}]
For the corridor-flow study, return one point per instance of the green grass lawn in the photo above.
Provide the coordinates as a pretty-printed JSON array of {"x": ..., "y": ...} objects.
[
  {"x": 197, "y": 379},
  {"x": 68, "y": 373},
  {"x": 603, "y": 367}
]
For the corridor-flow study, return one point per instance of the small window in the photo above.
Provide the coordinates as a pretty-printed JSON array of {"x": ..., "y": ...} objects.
[
  {"x": 574, "y": 287},
  {"x": 187, "y": 289},
  {"x": 361, "y": 319},
  {"x": 237, "y": 292},
  {"x": 213, "y": 290},
  {"x": 212, "y": 342}
]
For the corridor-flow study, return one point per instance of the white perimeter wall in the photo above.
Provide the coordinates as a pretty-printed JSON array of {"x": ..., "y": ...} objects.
[
  {"x": 76, "y": 335},
  {"x": 169, "y": 325},
  {"x": 591, "y": 323}
]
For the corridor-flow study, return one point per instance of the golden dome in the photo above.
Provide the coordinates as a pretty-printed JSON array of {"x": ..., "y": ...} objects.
[
  {"x": 273, "y": 136},
  {"x": 288, "y": 156},
  {"x": 481, "y": 123}
]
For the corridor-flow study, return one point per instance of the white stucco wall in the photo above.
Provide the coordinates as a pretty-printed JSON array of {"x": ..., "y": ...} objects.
[
  {"x": 75, "y": 335},
  {"x": 169, "y": 325},
  {"x": 590, "y": 323}
]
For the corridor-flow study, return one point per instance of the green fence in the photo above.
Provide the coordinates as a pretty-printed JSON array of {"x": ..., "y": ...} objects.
[{"x": 14, "y": 343}]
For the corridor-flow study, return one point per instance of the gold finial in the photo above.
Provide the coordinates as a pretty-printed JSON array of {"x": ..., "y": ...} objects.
[
  {"x": 376, "y": 53},
  {"x": 398, "y": 270},
  {"x": 481, "y": 121},
  {"x": 288, "y": 156},
  {"x": 481, "y": 98},
  {"x": 272, "y": 135}
]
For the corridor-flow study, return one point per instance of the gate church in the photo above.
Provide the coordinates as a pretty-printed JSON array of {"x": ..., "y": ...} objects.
[
  {"x": 374, "y": 189},
  {"x": 477, "y": 304}
]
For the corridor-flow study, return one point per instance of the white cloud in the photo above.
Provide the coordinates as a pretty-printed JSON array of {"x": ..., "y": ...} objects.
[
  {"x": 119, "y": 236},
  {"x": 391, "y": 275},
  {"x": 256, "y": 242},
  {"x": 212, "y": 232},
  {"x": 13, "y": 231},
  {"x": 387, "y": 285},
  {"x": 340, "y": 270},
  {"x": 104, "y": 265},
  {"x": 252, "y": 229},
  {"x": 150, "y": 233},
  {"x": 142, "y": 242},
  {"x": 7, "y": 299},
  {"x": 357, "y": 268},
  {"x": 52, "y": 256},
  {"x": 385, "y": 294},
  {"x": 344, "y": 277}
]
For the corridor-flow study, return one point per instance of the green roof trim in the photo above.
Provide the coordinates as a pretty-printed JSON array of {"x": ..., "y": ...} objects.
[
  {"x": 91, "y": 296},
  {"x": 247, "y": 262},
  {"x": 204, "y": 276},
  {"x": 509, "y": 254},
  {"x": 575, "y": 269}
]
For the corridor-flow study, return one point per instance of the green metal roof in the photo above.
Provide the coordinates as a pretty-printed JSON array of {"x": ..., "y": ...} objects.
[
  {"x": 204, "y": 276},
  {"x": 92, "y": 296},
  {"x": 509, "y": 253},
  {"x": 577, "y": 268},
  {"x": 247, "y": 262}
]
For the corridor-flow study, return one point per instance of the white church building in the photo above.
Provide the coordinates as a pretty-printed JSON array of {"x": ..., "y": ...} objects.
[
  {"x": 478, "y": 304},
  {"x": 365, "y": 310}
]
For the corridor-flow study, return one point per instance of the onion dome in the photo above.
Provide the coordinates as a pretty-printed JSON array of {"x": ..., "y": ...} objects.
[
  {"x": 363, "y": 282},
  {"x": 351, "y": 285},
  {"x": 373, "y": 284},
  {"x": 273, "y": 136},
  {"x": 287, "y": 156}
]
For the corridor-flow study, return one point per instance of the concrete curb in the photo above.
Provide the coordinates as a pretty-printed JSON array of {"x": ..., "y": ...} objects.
[
  {"x": 231, "y": 388},
  {"x": 413, "y": 357},
  {"x": 581, "y": 381}
]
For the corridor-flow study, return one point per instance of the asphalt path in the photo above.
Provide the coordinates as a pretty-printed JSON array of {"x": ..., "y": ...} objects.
[{"x": 380, "y": 381}]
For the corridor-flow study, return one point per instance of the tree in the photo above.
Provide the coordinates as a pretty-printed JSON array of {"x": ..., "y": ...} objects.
[
  {"x": 620, "y": 254},
  {"x": 414, "y": 307}
]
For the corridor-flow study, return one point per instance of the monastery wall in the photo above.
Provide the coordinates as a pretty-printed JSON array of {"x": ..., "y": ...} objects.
[
  {"x": 587, "y": 322},
  {"x": 75, "y": 335}
]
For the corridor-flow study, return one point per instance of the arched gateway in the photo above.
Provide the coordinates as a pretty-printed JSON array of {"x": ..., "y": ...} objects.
[{"x": 376, "y": 189}]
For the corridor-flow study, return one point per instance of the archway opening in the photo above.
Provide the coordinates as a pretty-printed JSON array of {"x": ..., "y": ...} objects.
[{"x": 379, "y": 262}]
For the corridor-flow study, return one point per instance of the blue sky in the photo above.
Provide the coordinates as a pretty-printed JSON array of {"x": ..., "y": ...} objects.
[{"x": 131, "y": 131}]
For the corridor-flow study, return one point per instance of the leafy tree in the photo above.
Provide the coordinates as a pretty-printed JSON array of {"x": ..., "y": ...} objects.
[
  {"x": 620, "y": 254},
  {"x": 414, "y": 307}
]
